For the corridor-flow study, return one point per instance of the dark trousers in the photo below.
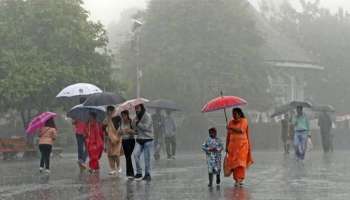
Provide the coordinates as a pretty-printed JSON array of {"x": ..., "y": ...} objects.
[
  {"x": 45, "y": 150},
  {"x": 170, "y": 143},
  {"x": 128, "y": 147},
  {"x": 82, "y": 153}
]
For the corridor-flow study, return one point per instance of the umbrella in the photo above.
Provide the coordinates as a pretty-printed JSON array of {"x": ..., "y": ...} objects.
[
  {"x": 82, "y": 112},
  {"x": 223, "y": 102},
  {"x": 104, "y": 98},
  {"x": 282, "y": 110},
  {"x": 163, "y": 104},
  {"x": 79, "y": 89},
  {"x": 39, "y": 121},
  {"x": 304, "y": 104},
  {"x": 323, "y": 108},
  {"x": 130, "y": 104}
]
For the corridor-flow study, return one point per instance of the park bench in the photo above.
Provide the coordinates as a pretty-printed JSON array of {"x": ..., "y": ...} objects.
[{"x": 10, "y": 147}]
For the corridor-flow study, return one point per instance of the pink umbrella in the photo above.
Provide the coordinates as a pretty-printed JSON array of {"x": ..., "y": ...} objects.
[
  {"x": 130, "y": 104},
  {"x": 39, "y": 121}
]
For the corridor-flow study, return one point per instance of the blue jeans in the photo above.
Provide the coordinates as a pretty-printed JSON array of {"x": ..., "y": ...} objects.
[
  {"x": 146, "y": 150},
  {"x": 82, "y": 153},
  {"x": 300, "y": 144}
]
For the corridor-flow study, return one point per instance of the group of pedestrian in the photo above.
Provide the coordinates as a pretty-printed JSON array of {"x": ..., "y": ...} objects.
[
  {"x": 296, "y": 131},
  {"x": 164, "y": 133},
  {"x": 238, "y": 150}
]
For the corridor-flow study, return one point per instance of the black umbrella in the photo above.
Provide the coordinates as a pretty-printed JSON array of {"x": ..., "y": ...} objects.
[
  {"x": 82, "y": 113},
  {"x": 323, "y": 108},
  {"x": 281, "y": 110},
  {"x": 303, "y": 104},
  {"x": 103, "y": 99},
  {"x": 163, "y": 104}
]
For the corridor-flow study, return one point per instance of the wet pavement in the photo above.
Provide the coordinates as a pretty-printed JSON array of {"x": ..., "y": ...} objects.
[{"x": 273, "y": 176}]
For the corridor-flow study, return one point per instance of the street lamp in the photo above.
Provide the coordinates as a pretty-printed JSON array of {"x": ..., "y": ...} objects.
[{"x": 135, "y": 29}]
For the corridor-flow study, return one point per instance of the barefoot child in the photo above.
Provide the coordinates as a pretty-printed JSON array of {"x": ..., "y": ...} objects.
[{"x": 213, "y": 147}]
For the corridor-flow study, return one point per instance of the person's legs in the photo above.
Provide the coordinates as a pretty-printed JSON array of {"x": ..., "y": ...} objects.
[
  {"x": 147, "y": 157},
  {"x": 173, "y": 144},
  {"x": 303, "y": 144},
  {"x": 218, "y": 180},
  {"x": 167, "y": 146},
  {"x": 80, "y": 146},
  {"x": 239, "y": 174},
  {"x": 128, "y": 146},
  {"x": 48, "y": 155},
  {"x": 210, "y": 179},
  {"x": 137, "y": 157},
  {"x": 111, "y": 161},
  {"x": 41, "y": 148},
  {"x": 297, "y": 143}
]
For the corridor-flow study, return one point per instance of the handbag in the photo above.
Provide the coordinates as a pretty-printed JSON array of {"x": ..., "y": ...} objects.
[{"x": 227, "y": 170}]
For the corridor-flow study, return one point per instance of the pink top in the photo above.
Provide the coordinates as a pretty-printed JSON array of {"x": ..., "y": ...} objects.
[
  {"x": 79, "y": 127},
  {"x": 47, "y": 135}
]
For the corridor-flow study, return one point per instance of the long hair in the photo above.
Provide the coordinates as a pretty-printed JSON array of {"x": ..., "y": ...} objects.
[
  {"x": 116, "y": 121},
  {"x": 50, "y": 123},
  {"x": 126, "y": 112},
  {"x": 141, "y": 113},
  {"x": 239, "y": 111}
]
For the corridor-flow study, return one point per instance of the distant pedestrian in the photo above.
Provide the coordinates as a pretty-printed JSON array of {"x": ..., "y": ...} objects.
[
  {"x": 213, "y": 147},
  {"x": 286, "y": 133},
  {"x": 158, "y": 128},
  {"x": 128, "y": 133},
  {"x": 238, "y": 147},
  {"x": 113, "y": 141},
  {"x": 325, "y": 124},
  {"x": 94, "y": 142},
  {"x": 47, "y": 136},
  {"x": 144, "y": 130},
  {"x": 170, "y": 135},
  {"x": 301, "y": 133}
]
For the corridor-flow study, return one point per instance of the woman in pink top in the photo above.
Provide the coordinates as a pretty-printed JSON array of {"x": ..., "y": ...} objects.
[{"x": 47, "y": 136}]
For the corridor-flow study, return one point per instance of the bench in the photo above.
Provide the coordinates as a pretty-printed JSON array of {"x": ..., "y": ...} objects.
[{"x": 10, "y": 147}]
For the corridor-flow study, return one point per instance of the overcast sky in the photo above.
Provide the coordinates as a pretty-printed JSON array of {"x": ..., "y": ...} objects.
[{"x": 108, "y": 11}]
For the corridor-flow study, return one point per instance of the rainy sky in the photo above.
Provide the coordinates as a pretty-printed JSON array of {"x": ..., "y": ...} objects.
[{"x": 108, "y": 11}]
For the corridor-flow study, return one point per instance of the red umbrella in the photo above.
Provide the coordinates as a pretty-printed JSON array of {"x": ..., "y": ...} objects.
[
  {"x": 223, "y": 102},
  {"x": 39, "y": 121}
]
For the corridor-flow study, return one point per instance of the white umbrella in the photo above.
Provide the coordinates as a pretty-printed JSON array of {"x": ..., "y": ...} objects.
[
  {"x": 130, "y": 104},
  {"x": 79, "y": 89}
]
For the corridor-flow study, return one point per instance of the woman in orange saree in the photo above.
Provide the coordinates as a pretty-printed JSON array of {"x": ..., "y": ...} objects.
[{"x": 238, "y": 146}]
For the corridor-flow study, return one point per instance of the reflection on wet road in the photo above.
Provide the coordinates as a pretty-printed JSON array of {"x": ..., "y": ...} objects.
[{"x": 274, "y": 176}]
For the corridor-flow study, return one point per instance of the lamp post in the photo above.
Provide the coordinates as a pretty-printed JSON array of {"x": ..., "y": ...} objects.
[{"x": 135, "y": 29}]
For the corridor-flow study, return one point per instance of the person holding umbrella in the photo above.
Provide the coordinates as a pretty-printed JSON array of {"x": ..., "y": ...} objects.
[
  {"x": 170, "y": 135},
  {"x": 158, "y": 128},
  {"x": 144, "y": 130},
  {"x": 238, "y": 146},
  {"x": 128, "y": 142},
  {"x": 47, "y": 136},
  {"x": 94, "y": 142},
  {"x": 301, "y": 133}
]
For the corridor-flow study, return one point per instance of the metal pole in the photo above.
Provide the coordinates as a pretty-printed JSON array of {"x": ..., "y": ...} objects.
[{"x": 138, "y": 68}]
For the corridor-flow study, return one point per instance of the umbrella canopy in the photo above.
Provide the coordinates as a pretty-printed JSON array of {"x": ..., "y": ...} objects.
[
  {"x": 303, "y": 104},
  {"x": 282, "y": 110},
  {"x": 82, "y": 113},
  {"x": 39, "y": 121},
  {"x": 79, "y": 89},
  {"x": 103, "y": 99},
  {"x": 323, "y": 108},
  {"x": 223, "y": 102},
  {"x": 130, "y": 104},
  {"x": 163, "y": 104}
]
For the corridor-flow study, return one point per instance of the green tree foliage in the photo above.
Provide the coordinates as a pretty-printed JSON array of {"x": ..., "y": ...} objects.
[
  {"x": 46, "y": 45},
  {"x": 191, "y": 49},
  {"x": 326, "y": 36}
]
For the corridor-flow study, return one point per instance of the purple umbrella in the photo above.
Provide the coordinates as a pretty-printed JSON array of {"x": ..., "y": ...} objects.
[{"x": 39, "y": 121}]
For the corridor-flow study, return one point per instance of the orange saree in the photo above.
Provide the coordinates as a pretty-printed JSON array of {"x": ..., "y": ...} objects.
[{"x": 238, "y": 145}]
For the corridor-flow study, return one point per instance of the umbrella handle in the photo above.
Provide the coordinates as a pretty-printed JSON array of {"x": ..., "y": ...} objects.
[{"x": 222, "y": 95}]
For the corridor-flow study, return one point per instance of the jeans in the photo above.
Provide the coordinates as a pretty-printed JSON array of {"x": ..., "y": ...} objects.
[
  {"x": 82, "y": 153},
  {"x": 144, "y": 148},
  {"x": 128, "y": 147},
  {"x": 300, "y": 144},
  {"x": 170, "y": 143},
  {"x": 45, "y": 150}
]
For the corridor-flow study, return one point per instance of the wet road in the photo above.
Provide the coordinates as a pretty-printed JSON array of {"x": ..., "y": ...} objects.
[{"x": 273, "y": 176}]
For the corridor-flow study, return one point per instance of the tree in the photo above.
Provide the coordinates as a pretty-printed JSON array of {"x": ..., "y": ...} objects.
[
  {"x": 190, "y": 49},
  {"x": 46, "y": 45}
]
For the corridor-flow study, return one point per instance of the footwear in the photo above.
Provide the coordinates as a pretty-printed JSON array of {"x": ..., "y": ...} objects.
[
  {"x": 113, "y": 172},
  {"x": 41, "y": 169},
  {"x": 173, "y": 157},
  {"x": 130, "y": 177},
  {"x": 210, "y": 180},
  {"x": 218, "y": 179},
  {"x": 147, "y": 178},
  {"x": 120, "y": 170},
  {"x": 47, "y": 171},
  {"x": 138, "y": 177}
]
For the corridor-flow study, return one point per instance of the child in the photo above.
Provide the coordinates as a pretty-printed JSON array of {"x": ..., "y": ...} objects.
[
  {"x": 213, "y": 147},
  {"x": 47, "y": 136}
]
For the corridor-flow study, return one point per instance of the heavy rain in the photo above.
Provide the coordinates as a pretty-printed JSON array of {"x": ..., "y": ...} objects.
[{"x": 174, "y": 99}]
